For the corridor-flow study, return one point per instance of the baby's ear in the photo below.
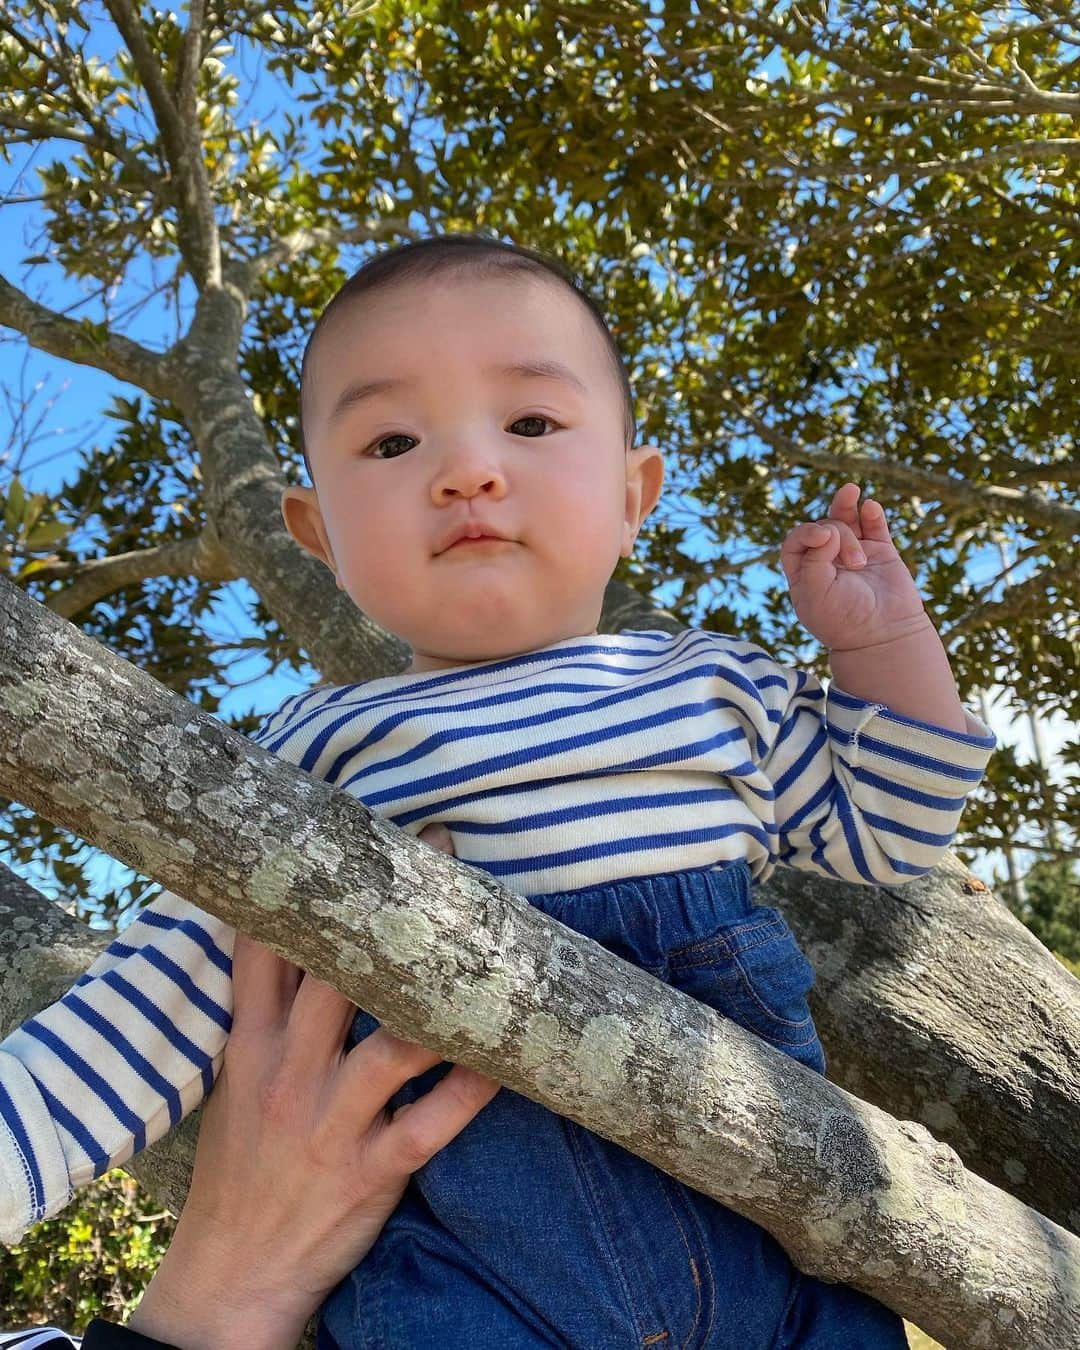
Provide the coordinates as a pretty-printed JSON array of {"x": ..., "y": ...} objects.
[
  {"x": 302, "y": 515},
  {"x": 644, "y": 483}
]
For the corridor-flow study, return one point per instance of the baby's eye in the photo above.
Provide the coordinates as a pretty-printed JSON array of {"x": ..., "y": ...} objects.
[
  {"x": 387, "y": 440},
  {"x": 534, "y": 417}
]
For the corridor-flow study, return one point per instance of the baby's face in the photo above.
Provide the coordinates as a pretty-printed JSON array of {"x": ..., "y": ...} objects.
[{"x": 457, "y": 433}]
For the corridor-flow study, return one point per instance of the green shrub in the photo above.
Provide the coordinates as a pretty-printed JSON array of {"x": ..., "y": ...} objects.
[{"x": 92, "y": 1260}]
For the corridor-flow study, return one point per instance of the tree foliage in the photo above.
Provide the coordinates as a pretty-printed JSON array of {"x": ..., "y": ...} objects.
[
  {"x": 1051, "y": 907},
  {"x": 833, "y": 241},
  {"x": 94, "y": 1260}
]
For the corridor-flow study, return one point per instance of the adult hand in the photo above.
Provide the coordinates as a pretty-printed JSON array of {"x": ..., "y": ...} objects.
[{"x": 299, "y": 1162}]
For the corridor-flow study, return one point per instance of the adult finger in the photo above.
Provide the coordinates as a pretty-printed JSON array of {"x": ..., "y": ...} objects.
[
  {"x": 437, "y": 836},
  {"x": 421, "y": 1128},
  {"x": 318, "y": 1022},
  {"x": 374, "y": 1070},
  {"x": 264, "y": 987}
]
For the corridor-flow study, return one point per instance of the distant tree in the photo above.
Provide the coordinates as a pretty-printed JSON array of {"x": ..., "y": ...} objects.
[{"x": 1051, "y": 908}]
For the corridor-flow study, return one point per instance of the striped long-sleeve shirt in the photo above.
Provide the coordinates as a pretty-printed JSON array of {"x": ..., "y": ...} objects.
[{"x": 591, "y": 760}]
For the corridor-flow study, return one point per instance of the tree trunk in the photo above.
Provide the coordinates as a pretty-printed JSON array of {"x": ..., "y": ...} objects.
[{"x": 480, "y": 976}]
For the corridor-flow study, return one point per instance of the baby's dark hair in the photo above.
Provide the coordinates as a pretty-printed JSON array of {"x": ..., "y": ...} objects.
[{"x": 463, "y": 254}]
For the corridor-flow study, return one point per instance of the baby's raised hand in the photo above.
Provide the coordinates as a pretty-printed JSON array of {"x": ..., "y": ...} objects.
[{"x": 849, "y": 586}]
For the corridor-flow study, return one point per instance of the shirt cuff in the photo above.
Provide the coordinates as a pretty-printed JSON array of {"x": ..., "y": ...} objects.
[
  {"x": 33, "y": 1170},
  {"x": 873, "y": 737}
]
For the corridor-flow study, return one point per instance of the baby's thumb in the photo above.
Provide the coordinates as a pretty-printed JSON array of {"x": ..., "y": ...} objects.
[{"x": 438, "y": 837}]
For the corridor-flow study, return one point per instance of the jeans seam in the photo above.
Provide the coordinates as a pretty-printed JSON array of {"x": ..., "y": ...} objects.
[
  {"x": 685, "y": 955},
  {"x": 668, "y": 1185},
  {"x": 785, "y": 1021},
  {"x": 572, "y": 1129}
]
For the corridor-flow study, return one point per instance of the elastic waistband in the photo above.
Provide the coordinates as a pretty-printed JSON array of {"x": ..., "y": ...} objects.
[{"x": 646, "y": 918}]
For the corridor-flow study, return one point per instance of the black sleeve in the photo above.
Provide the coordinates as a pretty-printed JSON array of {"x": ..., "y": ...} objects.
[{"x": 101, "y": 1335}]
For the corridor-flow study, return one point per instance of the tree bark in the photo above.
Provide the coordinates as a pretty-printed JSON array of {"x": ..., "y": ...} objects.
[{"x": 483, "y": 978}]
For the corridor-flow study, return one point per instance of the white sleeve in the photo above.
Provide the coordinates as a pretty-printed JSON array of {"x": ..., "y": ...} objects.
[
  {"x": 866, "y": 794},
  {"x": 133, "y": 1047}
]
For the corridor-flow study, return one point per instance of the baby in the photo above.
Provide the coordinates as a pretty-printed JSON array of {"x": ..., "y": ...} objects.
[{"x": 468, "y": 426}]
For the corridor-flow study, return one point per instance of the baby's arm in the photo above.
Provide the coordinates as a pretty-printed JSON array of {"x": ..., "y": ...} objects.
[
  {"x": 132, "y": 1048},
  {"x": 853, "y": 592},
  {"x": 861, "y": 792}
]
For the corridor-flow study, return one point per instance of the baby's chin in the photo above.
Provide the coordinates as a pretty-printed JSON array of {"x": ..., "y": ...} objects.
[{"x": 492, "y": 647}]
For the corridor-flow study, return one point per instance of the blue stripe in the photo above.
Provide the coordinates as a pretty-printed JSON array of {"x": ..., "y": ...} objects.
[
  {"x": 850, "y": 701},
  {"x": 664, "y": 758},
  {"x": 588, "y": 810},
  {"x": 901, "y": 719},
  {"x": 198, "y": 935},
  {"x": 120, "y": 1043},
  {"x": 851, "y": 833},
  {"x": 78, "y": 1131},
  {"x": 672, "y": 658},
  {"x": 905, "y": 793},
  {"x": 618, "y": 847},
  {"x": 421, "y": 689},
  {"x": 817, "y": 839},
  {"x": 172, "y": 1033},
  {"x": 182, "y": 979},
  {"x": 608, "y": 700},
  {"x": 93, "y": 1080},
  {"x": 961, "y": 737},
  {"x": 907, "y": 832},
  {"x": 796, "y": 818},
  {"x": 429, "y": 810},
  {"x": 788, "y": 726},
  {"x": 918, "y": 761},
  {"x": 909, "y": 869},
  {"x": 13, "y": 1121},
  {"x": 798, "y": 768},
  {"x": 858, "y": 857},
  {"x": 519, "y": 756}
]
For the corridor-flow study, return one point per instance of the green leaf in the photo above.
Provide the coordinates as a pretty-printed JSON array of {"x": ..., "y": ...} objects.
[
  {"x": 14, "y": 506},
  {"x": 47, "y": 533}
]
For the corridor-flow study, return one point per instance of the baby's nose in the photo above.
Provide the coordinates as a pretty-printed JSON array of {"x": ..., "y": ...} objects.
[{"x": 469, "y": 479}]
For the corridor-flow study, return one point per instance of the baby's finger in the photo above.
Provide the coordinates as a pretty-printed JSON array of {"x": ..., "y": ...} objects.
[
  {"x": 421, "y": 1128},
  {"x": 851, "y": 549},
  {"x": 810, "y": 541},
  {"x": 437, "y": 837},
  {"x": 845, "y": 507},
  {"x": 844, "y": 548},
  {"x": 264, "y": 987},
  {"x": 875, "y": 526}
]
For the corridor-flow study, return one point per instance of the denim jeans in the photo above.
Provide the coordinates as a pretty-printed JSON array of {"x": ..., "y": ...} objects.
[{"x": 529, "y": 1230}]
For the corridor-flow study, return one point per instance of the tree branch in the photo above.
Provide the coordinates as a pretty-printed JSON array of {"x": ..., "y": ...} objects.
[
  {"x": 1061, "y": 521},
  {"x": 44, "y": 131},
  {"x": 959, "y": 92},
  {"x": 490, "y": 981},
  {"x": 85, "y": 343},
  {"x": 1030, "y": 596},
  {"x": 190, "y": 61},
  {"x": 196, "y": 223},
  {"x": 247, "y": 271},
  {"x": 201, "y": 557}
]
